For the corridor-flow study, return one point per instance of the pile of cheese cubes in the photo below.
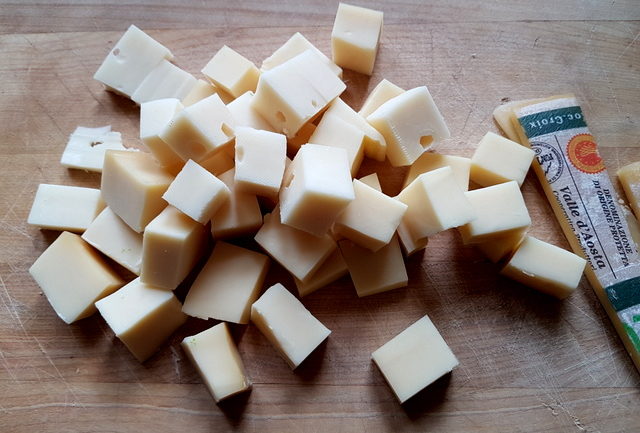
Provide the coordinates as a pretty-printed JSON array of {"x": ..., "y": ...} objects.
[{"x": 214, "y": 146}]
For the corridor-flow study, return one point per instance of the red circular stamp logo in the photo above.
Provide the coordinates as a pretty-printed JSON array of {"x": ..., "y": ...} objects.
[{"x": 583, "y": 154}]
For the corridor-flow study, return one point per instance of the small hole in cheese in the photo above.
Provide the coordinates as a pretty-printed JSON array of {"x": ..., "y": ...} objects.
[
  {"x": 426, "y": 140},
  {"x": 280, "y": 117},
  {"x": 116, "y": 52},
  {"x": 226, "y": 130}
]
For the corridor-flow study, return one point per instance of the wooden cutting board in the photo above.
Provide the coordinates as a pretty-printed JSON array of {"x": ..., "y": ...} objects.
[{"x": 527, "y": 362}]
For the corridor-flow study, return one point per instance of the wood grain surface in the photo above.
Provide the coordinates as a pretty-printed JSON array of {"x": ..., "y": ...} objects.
[{"x": 528, "y": 363}]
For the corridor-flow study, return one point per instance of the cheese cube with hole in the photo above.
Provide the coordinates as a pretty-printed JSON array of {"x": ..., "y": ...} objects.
[
  {"x": 245, "y": 115},
  {"x": 171, "y": 246},
  {"x": 335, "y": 132},
  {"x": 435, "y": 203},
  {"x": 227, "y": 285},
  {"x": 629, "y": 177},
  {"x": 499, "y": 209},
  {"x": 298, "y": 252},
  {"x": 200, "y": 90},
  {"x": 239, "y": 216},
  {"x": 410, "y": 123},
  {"x": 200, "y": 130},
  {"x": 410, "y": 244},
  {"x": 232, "y": 72},
  {"x": 86, "y": 147},
  {"x": 292, "y": 330},
  {"x": 132, "y": 186},
  {"x": 371, "y": 219},
  {"x": 380, "y": 94},
  {"x": 545, "y": 267},
  {"x": 295, "y": 92},
  {"x": 215, "y": 356},
  {"x": 498, "y": 159},
  {"x": 61, "y": 207},
  {"x": 166, "y": 80},
  {"x": 116, "y": 240},
  {"x": 372, "y": 180},
  {"x": 196, "y": 193},
  {"x": 154, "y": 118},
  {"x": 302, "y": 137},
  {"x": 498, "y": 247},
  {"x": 260, "y": 160},
  {"x": 375, "y": 272},
  {"x": 218, "y": 163},
  {"x": 130, "y": 61},
  {"x": 414, "y": 359},
  {"x": 430, "y": 161},
  {"x": 319, "y": 190},
  {"x": 355, "y": 37},
  {"x": 142, "y": 317},
  {"x": 297, "y": 44},
  {"x": 73, "y": 276},
  {"x": 333, "y": 268}
]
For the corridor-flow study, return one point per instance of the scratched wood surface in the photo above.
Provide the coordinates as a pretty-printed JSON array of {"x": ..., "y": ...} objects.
[{"x": 527, "y": 362}]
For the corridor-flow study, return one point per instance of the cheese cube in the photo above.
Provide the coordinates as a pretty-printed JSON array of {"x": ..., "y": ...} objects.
[
  {"x": 335, "y": 132},
  {"x": 371, "y": 219},
  {"x": 500, "y": 210},
  {"x": 545, "y": 267},
  {"x": 86, "y": 147},
  {"x": 321, "y": 188},
  {"x": 130, "y": 61},
  {"x": 355, "y": 37},
  {"x": 73, "y": 277},
  {"x": 301, "y": 137},
  {"x": 227, "y": 285},
  {"x": 60, "y": 207},
  {"x": 430, "y": 161},
  {"x": 410, "y": 123},
  {"x": 498, "y": 247},
  {"x": 332, "y": 268},
  {"x": 375, "y": 272},
  {"x": 218, "y": 163},
  {"x": 372, "y": 181},
  {"x": 260, "y": 157},
  {"x": 116, "y": 240},
  {"x": 436, "y": 203},
  {"x": 238, "y": 216},
  {"x": 298, "y": 252},
  {"x": 166, "y": 80},
  {"x": 154, "y": 118},
  {"x": 380, "y": 94},
  {"x": 200, "y": 130},
  {"x": 410, "y": 244},
  {"x": 292, "y": 94},
  {"x": 232, "y": 72},
  {"x": 142, "y": 317},
  {"x": 292, "y": 330},
  {"x": 200, "y": 90},
  {"x": 498, "y": 159},
  {"x": 171, "y": 246},
  {"x": 245, "y": 115},
  {"x": 196, "y": 192},
  {"x": 297, "y": 44},
  {"x": 414, "y": 359},
  {"x": 214, "y": 354},
  {"x": 132, "y": 185},
  {"x": 629, "y": 177}
]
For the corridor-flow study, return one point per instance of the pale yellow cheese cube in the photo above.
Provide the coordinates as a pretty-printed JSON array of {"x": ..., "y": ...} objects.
[
  {"x": 335, "y": 132},
  {"x": 132, "y": 186},
  {"x": 319, "y": 190},
  {"x": 142, "y": 317},
  {"x": 239, "y": 216},
  {"x": 73, "y": 276},
  {"x": 301, "y": 137},
  {"x": 372, "y": 180},
  {"x": 200, "y": 90},
  {"x": 375, "y": 272},
  {"x": 245, "y": 115},
  {"x": 171, "y": 246},
  {"x": 60, "y": 207},
  {"x": 166, "y": 80},
  {"x": 545, "y": 267},
  {"x": 436, "y": 203},
  {"x": 227, "y": 285},
  {"x": 295, "y": 92},
  {"x": 200, "y": 130},
  {"x": 232, "y": 72},
  {"x": 86, "y": 147},
  {"x": 196, "y": 193},
  {"x": 332, "y": 268},
  {"x": 116, "y": 240},
  {"x": 498, "y": 247},
  {"x": 297, "y": 44},
  {"x": 380, "y": 94},
  {"x": 214, "y": 354},
  {"x": 292, "y": 330},
  {"x": 498, "y": 159},
  {"x": 430, "y": 161},
  {"x": 298, "y": 252},
  {"x": 355, "y": 37},
  {"x": 411, "y": 244},
  {"x": 499, "y": 209},
  {"x": 260, "y": 159},
  {"x": 154, "y": 118},
  {"x": 629, "y": 177},
  {"x": 218, "y": 163},
  {"x": 130, "y": 61},
  {"x": 410, "y": 123},
  {"x": 414, "y": 359},
  {"x": 371, "y": 219}
]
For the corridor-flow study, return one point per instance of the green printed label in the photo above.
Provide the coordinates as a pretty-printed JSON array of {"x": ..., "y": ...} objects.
[
  {"x": 551, "y": 121},
  {"x": 625, "y": 294}
]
